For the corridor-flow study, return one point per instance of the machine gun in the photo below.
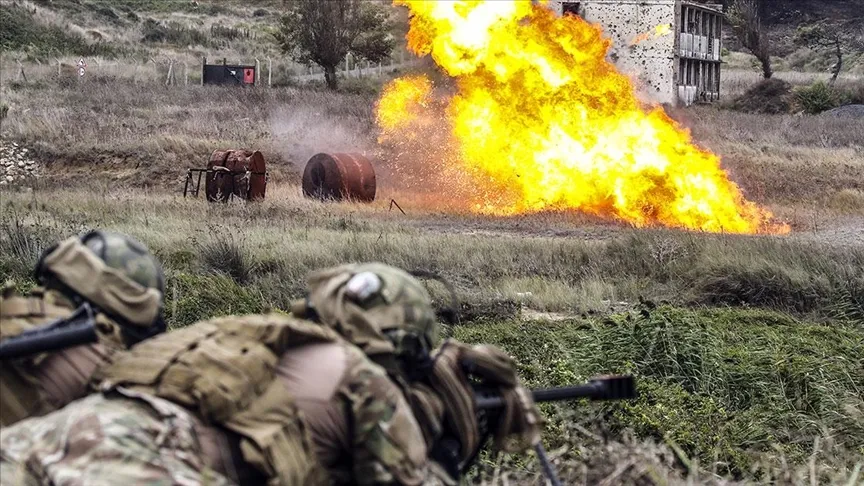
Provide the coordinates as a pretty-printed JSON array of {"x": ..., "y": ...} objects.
[
  {"x": 599, "y": 388},
  {"x": 78, "y": 328}
]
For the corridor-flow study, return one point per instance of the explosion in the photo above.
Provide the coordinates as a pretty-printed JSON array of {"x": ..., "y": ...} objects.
[{"x": 543, "y": 121}]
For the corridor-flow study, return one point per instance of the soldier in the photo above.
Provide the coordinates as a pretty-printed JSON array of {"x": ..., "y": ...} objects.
[
  {"x": 276, "y": 399},
  {"x": 111, "y": 273},
  {"x": 389, "y": 315}
]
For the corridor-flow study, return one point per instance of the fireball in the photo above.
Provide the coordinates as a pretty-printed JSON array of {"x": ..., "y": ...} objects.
[{"x": 544, "y": 122}]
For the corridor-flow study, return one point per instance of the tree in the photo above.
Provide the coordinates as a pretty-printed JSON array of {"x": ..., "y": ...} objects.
[
  {"x": 821, "y": 36},
  {"x": 324, "y": 32},
  {"x": 746, "y": 20}
]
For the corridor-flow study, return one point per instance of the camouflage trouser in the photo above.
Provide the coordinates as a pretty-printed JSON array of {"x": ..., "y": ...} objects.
[{"x": 101, "y": 440}]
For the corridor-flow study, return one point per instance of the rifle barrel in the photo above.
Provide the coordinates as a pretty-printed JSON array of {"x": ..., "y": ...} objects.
[
  {"x": 78, "y": 328},
  {"x": 604, "y": 388}
]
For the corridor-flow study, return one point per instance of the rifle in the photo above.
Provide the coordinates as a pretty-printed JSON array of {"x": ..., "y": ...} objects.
[
  {"x": 599, "y": 388},
  {"x": 78, "y": 328}
]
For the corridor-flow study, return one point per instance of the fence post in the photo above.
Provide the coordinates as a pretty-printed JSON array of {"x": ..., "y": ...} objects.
[
  {"x": 269, "y": 72},
  {"x": 59, "y": 70},
  {"x": 185, "y": 74},
  {"x": 170, "y": 79},
  {"x": 203, "y": 69},
  {"x": 21, "y": 72},
  {"x": 257, "y": 70}
]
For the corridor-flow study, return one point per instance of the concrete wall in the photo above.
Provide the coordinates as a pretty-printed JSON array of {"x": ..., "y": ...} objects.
[{"x": 651, "y": 62}]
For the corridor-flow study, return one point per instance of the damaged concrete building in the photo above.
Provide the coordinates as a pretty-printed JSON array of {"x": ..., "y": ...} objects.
[{"x": 670, "y": 47}]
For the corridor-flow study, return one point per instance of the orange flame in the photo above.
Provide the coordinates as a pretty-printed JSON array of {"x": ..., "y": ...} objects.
[
  {"x": 544, "y": 121},
  {"x": 659, "y": 31}
]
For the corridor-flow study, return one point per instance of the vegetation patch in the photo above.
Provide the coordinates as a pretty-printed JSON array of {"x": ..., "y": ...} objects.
[
  {"x": 19, "y": 30},
  {"x": 819, "y": 97},
  {"x": 192, "y": 297},
  {"x": 770, "y": 96},
  {"x": 724, "y": 386}
]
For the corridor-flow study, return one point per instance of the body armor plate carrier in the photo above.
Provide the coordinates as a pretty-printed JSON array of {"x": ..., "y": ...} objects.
[{"x": 224, "y": 369}]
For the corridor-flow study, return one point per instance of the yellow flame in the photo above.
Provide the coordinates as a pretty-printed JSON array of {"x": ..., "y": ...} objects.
[
  {"x": 546, "y": 122},
  {"x": 402, "y": 100},
  {"x": 659, "y": 31}
]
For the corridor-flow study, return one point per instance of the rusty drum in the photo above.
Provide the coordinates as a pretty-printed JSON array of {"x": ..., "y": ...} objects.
[
  {"x": 339, "y": 176},
  {"x": 239, "y": 173}
]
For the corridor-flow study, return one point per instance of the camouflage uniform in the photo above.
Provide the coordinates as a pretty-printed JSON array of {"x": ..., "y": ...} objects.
[
  {"x": 114, "y": 274},
  {"x": 352, "y": 418},
  {"x": 101, "y": 440}
]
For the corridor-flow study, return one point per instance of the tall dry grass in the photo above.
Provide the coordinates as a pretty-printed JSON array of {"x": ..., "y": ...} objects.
[{"x": 553, "y": 262}]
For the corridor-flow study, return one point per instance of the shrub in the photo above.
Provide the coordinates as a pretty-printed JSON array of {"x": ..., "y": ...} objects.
[
  {"x": 770, "y": 96},
  {"x": 818, "y": 97}
]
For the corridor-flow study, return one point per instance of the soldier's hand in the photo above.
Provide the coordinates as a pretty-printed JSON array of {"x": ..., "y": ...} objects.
[{"x": 457, "y": 369}]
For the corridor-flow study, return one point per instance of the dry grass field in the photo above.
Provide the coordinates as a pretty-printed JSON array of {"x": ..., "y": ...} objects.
[{"x": 749, "y": 350}]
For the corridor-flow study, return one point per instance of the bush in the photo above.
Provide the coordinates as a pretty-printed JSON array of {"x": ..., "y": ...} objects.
[
  {"x": 770, "y": 96},
  {"x": 819, "y": 97},
  {"x": 4, "y": 110}
]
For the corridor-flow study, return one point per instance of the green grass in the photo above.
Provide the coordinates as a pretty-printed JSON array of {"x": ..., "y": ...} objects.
[{"x": 733, "y": 389}]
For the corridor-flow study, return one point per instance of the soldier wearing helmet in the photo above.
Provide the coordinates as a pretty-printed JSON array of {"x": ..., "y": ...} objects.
[
  {"x": 276, "y": 399},
  {"x": 116, "y": 279},
  {"x": 255, "y": 399},
  {"x": 388, "y": 313}
]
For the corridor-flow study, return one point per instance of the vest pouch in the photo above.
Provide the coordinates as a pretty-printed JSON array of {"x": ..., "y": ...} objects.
[
  {"x": 276, "y": 440},
  {"x": 231, "y": 373}
]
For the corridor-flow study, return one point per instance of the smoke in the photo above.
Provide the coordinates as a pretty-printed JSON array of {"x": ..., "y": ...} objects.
[
  {"x": 299, "y": 132},
  {"x": 421, "y": 157}
]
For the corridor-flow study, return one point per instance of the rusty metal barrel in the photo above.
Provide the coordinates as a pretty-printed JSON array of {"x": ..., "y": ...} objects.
[
  {"x": 339, "y": 177},
  {"x": 241, "y": 173}
]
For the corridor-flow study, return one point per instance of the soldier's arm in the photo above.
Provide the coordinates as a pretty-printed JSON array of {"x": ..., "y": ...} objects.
[{"x": 388, "y": 445}]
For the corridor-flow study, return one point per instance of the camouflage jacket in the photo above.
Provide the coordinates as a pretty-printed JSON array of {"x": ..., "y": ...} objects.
[{"x": 287, "y": 398}]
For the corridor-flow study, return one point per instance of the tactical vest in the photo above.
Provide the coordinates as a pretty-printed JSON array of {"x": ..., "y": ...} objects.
[
  {"x": 21, "y": 394},
  {"x": 224, "y": 369}
]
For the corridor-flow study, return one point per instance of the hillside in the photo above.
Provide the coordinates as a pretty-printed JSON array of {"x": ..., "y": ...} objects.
[{"x": 189, "y": 30}]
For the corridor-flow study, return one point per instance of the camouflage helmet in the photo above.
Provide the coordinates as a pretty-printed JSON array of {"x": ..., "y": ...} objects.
[
  {"x": 127, "y": 255},
  {"x": 380, "y": 308},
  {"x": 111, "y": 271}
]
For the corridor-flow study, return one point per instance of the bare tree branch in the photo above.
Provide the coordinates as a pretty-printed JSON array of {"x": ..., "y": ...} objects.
[{"x": 744, "y": 17}]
